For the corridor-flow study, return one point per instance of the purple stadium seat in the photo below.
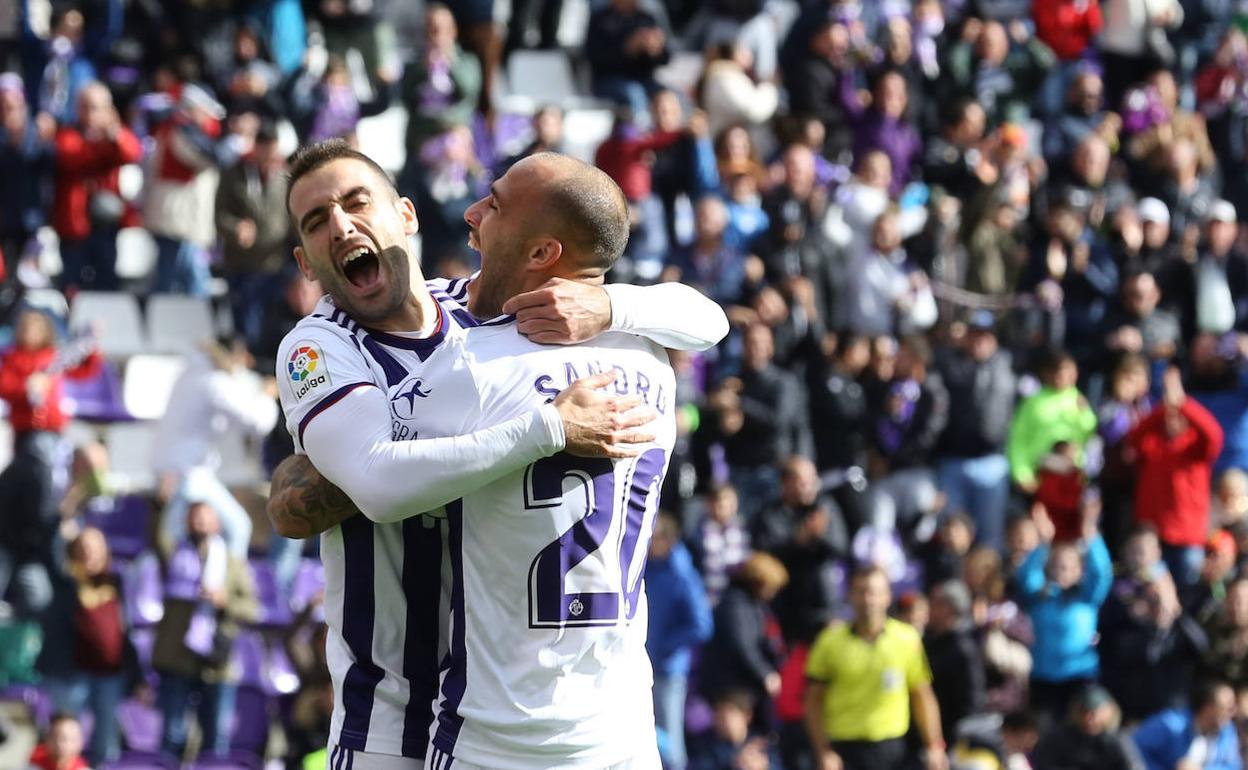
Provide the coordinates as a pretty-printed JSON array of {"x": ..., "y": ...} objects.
[
  {"x": 125, "y": 522},
  {"x": 248, "y": 655},
  {"x": 280, "y": 676},
  {"x": 143, "y": 760},
  {"x": 274, "y": 607},
  {"x": 34, "y": 698},
  {"x": 144, "y": 595},
  {"x": 140, "y": 724},
  {"x": 251, "y": 723},
  {"x": 97, "y": 399}
]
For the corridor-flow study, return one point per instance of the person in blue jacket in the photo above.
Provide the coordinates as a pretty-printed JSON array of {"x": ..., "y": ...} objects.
[
  {"x": 1201, "y": 737},
  {"x": 680, "y": 620},
  {"x": 1062, "y": 587}
]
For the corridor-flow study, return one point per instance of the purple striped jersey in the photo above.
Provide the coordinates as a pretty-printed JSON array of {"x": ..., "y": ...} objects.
[{"x": 385, "y": 603}]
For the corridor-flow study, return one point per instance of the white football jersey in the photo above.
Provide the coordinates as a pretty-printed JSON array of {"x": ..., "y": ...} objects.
[
  {"x": 384, "y": 601},
  {"x": 547, "y": 664}
]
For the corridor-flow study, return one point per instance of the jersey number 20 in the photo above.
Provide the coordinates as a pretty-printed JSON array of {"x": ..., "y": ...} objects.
[{"x": 553, "y": 602}]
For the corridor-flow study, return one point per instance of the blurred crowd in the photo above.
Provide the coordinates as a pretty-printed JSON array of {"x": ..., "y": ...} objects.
[{"x": 967, "y": 483}]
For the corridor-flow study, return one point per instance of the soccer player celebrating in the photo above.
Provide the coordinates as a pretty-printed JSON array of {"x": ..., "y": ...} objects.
[{"x": 408, "y": 403}]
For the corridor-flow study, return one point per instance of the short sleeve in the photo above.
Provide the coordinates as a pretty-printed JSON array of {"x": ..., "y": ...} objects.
[
  {"x": 821, "y": 662},
  {"x": 918, "y": 672},
  {"x": 316, "y": 367}
]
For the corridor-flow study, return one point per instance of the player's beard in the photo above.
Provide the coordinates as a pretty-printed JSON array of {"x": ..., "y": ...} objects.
[
  {"x": 499, "y": 281},
  {"x": 394, "y": 264}
]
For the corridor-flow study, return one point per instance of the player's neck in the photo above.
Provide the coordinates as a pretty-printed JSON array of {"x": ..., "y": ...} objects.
[{"x": 418, "y": 316}]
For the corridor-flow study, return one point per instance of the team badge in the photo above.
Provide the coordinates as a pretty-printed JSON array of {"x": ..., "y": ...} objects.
[{"x": 306, "y": 367}]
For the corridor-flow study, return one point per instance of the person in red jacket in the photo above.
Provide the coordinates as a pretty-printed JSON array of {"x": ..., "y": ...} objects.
[
  {"x": 88, "y": 209},
  {"x": 61, "y": 749},
  {"x": 1068, "y": 27},
  {"x": 1175, "y": 447},
  {"x": 30, "y": 383}
]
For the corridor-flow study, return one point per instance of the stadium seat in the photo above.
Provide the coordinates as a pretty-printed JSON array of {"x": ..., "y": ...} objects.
[
  {"x": 117, "y": 314},
  {"x": 681, "y": 72},
  {"x": 274, "y": 605},
  {"x": 142, "y": 760},
  {"x": 240, "y": 465},
  {"x": 585, "y": 129},
  {"x": 141, "y": 588},
  {"x": 545, "y": 77},
  {"x": 98, "y": 399},
  {"x": 251, "y": 730},
  {"x": 130, "y": 456},
  {"x": 125, "y": 522},
  {"x": 177, "y": 323},
  {"x": 383, "y": 136},
  {"x": 140, "y": 725},
  {"x": 148, "y": 383},
  {"x": 235, "y": 760}
]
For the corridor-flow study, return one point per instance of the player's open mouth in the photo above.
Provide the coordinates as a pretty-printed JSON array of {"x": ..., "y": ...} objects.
[{"x": 362, "y": 268}]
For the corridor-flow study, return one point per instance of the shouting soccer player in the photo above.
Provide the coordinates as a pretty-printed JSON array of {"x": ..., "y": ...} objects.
[{"x": 407, "y": 403}]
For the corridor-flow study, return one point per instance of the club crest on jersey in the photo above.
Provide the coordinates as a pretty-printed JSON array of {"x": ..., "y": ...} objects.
[
  {"x": 403, "y": 403},
  {"x": 307, "y": 369}
]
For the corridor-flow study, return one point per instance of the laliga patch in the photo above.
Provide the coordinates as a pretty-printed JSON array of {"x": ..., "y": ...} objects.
[{"x": 306, "y": 367}]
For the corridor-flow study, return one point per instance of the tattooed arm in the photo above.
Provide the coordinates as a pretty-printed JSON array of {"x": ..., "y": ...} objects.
[{"x": 303, "y": 503}]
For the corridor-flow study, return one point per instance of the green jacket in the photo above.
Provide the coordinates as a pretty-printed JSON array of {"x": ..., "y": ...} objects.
[
  {"x": 1042, "y": 420},
  {"x": 424, "y": 124}
]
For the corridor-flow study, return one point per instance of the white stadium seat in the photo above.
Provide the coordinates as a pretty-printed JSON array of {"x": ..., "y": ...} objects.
[
  {"x": 177, "y": 323},
  {"x": 130, "y": 455},
  {"x": 148, "y": 383},
  {"x": 117, "y": 315}
]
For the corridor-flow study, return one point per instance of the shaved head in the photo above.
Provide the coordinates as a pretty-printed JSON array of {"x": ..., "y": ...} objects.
[{"x": 583, "y": 207}]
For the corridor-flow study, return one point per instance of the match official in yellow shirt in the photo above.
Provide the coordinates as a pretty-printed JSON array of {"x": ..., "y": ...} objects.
[{"x": 863, "y": 680}]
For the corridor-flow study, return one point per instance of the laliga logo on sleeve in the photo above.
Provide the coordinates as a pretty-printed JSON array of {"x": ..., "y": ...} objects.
[{"x": 307, "y": 370}]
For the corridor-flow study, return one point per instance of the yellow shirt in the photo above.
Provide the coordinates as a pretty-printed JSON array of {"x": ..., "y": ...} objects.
[{"x": 868, "y": 684}]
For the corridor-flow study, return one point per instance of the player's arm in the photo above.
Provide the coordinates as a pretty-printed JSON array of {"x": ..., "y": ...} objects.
[
  {"x": 303, "y": 503},
  {"x": 348, "y": 438},
  {"x": 672, "y": 314}
]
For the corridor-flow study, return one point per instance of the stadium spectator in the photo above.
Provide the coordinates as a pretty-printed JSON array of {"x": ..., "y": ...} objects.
[
  {"x": 761, "y": 419},
  {"x": 1056, "y": 412},
  {"x": 954, "y": 655},
  {"x": 216, "y": 394},
  {"x": 811, "y": 598},
  {"x": 1126, "y": 403},
  {"x": 800, "y": 493},
  {"x": 62, "y": 60},
  {"x": 911, "y": 412},
  {"x": 680, "y": 621},
  {"x": 1202, "y": 600},
  {"x": 1003, "y": 631},
  {"x": 743, "y": 652},
  {"x": 1134, "y": 41},
  {"x": 998, "y": 66},
  {"x": 88, "y": 210},
  {"x": 731, "y": 743},
  {"x": 254, "y": 231},
  {"x": 973, "y": 472},
  {"x": 1148, "y": 661},
  {"x": 1220, "y": 273},
  {"x": 720, "y": 541},
  {"x": 1062, "y": 589},
  {"x": 711, "y": 263},
  {"x": 1202, "y": 735},
  {"x": 440, "y": 88},
  {"x": 686, "y": 168},
  {"x": 61, "y": 747},
  {"x": 208, "y": 594},
  {"x": 100, "y": 642},
  {"x": 1228, "y": 636},
  {"x": 548, "y": 136},
  {"x": 625, "y": 45},
  {"x": 1088, "y": 739},
  {"x": 32, "y": 375},
  {"x": 27, "y": 161},
  {"x": 730, "y": 95},
  {"x": 868, "y": 680},
  {"x": 1176, "y": 446}
]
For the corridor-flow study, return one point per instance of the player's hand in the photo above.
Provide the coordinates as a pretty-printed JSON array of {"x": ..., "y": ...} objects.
[
  {"x": 598, "y": 424},
  {"x": 561, "y": 312}
]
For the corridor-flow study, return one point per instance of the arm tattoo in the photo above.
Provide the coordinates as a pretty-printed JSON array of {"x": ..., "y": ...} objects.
[{"x": 303, "y": 503}]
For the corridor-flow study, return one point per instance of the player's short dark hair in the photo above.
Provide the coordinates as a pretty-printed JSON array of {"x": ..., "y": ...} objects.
[
  {"x": 865, "y": 570},
  {"x": 314, "y": 156},
  {"x": 590, "y": 213}
]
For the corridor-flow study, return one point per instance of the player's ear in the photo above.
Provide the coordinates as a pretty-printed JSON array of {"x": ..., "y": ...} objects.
[
  {"x": 407, "y": 212},
  {"x": 301, "y": 259},
  {"x": 545, "y": 254}
]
